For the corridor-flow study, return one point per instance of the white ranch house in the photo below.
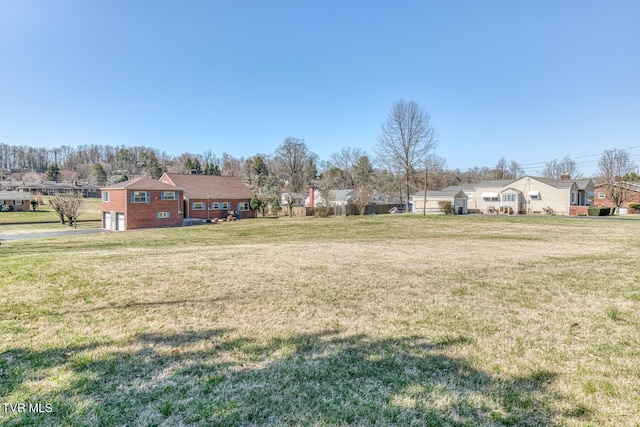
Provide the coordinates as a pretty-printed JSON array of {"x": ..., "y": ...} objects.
[{"x": 528, "y": 194}]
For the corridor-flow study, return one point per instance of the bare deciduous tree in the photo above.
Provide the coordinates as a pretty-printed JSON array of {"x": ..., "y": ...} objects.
[
  {"x": 293, "y": 157},
  {"x": 507, "y": 170},
  {"x": 614, "y": 164},
  {"x": 555, "y": 168},
  {"x": 69, "y": 205},
  {"x": 407, "y": 139},
  {"x": 345, "y": 160},
  {"x": 363, "y": 186}
]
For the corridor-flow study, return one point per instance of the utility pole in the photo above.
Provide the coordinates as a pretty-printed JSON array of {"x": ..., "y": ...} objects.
[{"x": 424, "y": 203}]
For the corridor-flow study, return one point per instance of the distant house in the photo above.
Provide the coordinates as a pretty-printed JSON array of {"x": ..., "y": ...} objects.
[
  {"x": 629, "y": 191},
  {"x": 212, "y": 196},
  {"x": 530, "y": 194},
  {"x": 51, "y": 188},
  {"x": 141, "y": 203},
  {"x": 296, "y": 199},
  {"x": 341, "y": 197},
  {"x": 457, "y": 198},
  {"x": 19, "y": 201}
]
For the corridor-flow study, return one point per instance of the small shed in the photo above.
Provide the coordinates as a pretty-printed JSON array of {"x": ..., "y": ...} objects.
[{"x": 457, "y": 198}]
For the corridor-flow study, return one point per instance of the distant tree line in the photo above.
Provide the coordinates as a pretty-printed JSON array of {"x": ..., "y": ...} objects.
[{"x": 404, "y": 162}]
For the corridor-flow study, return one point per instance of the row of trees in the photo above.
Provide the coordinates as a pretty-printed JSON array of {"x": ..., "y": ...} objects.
[{"x": 404, "y": 161}]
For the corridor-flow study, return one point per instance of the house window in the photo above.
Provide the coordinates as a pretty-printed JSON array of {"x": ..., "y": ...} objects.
[
  {"x": 105, "y": 196},
  {"x": 573, "y": 198},
  {"x": 601, "y": 195},
  {"x": 244, "y": 206},
  {"x": 169, "y": 195},
  {"x": 490, "y": 199},
  {"x": 18, "y": 202},
  {"x": 509, "y": 197},
  {"x": 198, "y": 206},
  {"x": 139, "y": 197},
  {"x": 220, "y": 206},
  {"x": 535, "y": 196},
  {"x": 162, "y": 215}
]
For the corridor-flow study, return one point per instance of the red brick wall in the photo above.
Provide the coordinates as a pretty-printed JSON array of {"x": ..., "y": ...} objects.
[
  {"x": 144, "y": 215},
  {"x": 579, "y": 210},
  {"x": 605, "y": 202},
  {"x": 202, "y": 214},
  {"x": 24, "y": 207}
]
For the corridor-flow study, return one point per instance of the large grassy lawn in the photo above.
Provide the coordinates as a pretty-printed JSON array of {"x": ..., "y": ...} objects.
[
  {"x": 384, "y": 320},
  {"x": 91, "y": 210}
]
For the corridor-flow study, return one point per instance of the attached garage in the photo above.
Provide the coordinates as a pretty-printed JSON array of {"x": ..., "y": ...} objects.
[
  {"x": 113, "y": 221},
  {"x": 106, "y": 221},
  {"x": 458, "y": 200},
  {"x": 120, "y": 221}
]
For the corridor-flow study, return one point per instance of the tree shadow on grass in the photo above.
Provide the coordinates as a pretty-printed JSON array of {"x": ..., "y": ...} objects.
[{"x": 216, "y": 377}]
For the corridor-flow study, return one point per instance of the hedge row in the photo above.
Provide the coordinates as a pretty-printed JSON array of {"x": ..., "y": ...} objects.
[{"x": 599, "y": 211}]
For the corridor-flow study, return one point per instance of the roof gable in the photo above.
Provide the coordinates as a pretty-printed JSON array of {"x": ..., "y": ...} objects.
[
  {"x": 210, "y": 186},
  {"x": 14, "y": 195},
  {"x": 141, "y": 184}
]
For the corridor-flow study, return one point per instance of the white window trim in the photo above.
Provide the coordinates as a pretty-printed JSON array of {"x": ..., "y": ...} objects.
[
  {"x": 202, "y": 204},
  {"x": 146, "y": 197},
  {"x": 105, "y": 197},
  {"x": 164, "y": 193}
]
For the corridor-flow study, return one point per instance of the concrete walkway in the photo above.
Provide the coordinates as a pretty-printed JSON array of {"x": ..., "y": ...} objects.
[{"x": 45, "y": 235}]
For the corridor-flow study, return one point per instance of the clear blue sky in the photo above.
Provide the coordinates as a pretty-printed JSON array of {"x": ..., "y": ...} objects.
[{"x": 529, "y": 81}]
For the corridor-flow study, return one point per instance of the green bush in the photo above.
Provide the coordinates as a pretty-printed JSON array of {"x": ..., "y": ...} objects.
[
  {"x": 6, "y": 208},
  {"x": 599, "y": 211},
  {"x": 634, "y": 205}
]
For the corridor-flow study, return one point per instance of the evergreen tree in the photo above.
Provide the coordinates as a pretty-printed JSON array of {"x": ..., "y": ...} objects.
[
  {"x": 99, "y": 174},
  {"x": 53, "y": 171}
]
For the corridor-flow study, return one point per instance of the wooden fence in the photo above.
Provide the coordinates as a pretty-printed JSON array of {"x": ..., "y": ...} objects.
[{"x": 342, "y": 210}]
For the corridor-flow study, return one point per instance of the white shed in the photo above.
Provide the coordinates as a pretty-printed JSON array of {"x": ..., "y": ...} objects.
[{"x": 458, "y": 200}]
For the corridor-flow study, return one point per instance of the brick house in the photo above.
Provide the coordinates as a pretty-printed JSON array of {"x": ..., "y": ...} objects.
[
  {"x": 19, "y": 201},
  {"x": 141, "y": 203},
  {"x": 211, "y": 196},
  {"x": 628, "y": 191}
]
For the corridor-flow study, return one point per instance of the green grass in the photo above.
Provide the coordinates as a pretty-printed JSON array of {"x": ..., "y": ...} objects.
[
  {"x": 44, "y": 213},
  {"x": 385, "y": 320}
]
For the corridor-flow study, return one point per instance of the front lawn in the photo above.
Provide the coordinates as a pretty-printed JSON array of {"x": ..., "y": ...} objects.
[{"x": 383, "y": 320}]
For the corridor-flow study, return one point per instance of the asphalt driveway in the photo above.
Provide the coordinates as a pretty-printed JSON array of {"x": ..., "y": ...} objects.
[{"x": 45, "y": 235}]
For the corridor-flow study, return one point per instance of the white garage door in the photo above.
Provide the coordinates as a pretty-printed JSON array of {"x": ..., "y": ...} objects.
[
  {"x": 107, "y": 220},
  {"x": 120, "y": 221}
]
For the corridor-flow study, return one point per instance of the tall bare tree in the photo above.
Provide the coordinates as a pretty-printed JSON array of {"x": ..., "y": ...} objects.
[
  {"x": 346, "y": 160},
  {"x": 507, "y": 170},
  {"x": 613, "y": 165},
  {"x": 555, "y": 168},
  {"x": 407, "y": 139},
  {"x": 295, "y": 161}
]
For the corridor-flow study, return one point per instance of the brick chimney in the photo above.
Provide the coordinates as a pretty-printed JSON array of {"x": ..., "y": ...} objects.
[
  {"x": 311, "y": 196},
  {"x": 565, "y": 177}
]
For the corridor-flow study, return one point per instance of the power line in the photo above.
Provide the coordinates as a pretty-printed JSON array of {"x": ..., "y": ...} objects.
[{"x": 581, "y": 163}]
